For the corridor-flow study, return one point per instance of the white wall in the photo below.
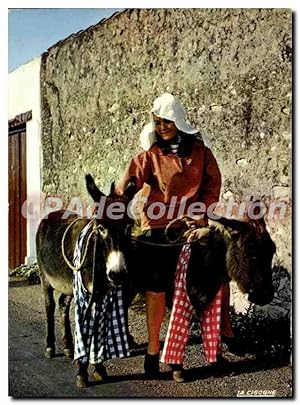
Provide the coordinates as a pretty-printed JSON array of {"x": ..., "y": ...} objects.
[{"x": 23, "y": 96}]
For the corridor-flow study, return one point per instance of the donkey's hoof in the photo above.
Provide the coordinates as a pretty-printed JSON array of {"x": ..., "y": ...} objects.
[
  {"x": 49, "y": 352},
  {"x": 68, "y": 352},
  {"x": 81, "y": 381},
  {"x": 100, "y": 373}
]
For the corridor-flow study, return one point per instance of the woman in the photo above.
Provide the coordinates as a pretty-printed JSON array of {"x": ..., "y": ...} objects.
[{"x": 179, "y": 172}]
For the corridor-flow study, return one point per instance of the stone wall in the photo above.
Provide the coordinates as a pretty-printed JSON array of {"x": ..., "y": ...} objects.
[{"x": 231, "y": 68}]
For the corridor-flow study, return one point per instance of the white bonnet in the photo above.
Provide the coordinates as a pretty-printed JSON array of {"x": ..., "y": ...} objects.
[{"x": 166, "y": 106}]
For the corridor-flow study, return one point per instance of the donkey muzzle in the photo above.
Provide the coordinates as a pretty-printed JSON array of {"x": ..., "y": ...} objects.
[
  {"x": 261, "y": 299},
  {"x": 116, "y": 268}
]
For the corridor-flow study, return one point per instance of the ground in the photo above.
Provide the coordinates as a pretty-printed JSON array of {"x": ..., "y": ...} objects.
[{"x": 33, "y": 376}]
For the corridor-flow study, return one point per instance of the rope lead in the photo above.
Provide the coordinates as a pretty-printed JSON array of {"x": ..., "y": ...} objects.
[{"x": 96, "y": 229}]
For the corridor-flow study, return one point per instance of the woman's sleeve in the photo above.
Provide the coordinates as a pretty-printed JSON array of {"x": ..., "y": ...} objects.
[
  {"x": 139, "y": 167},
  {"x": 209, "y": 192}
]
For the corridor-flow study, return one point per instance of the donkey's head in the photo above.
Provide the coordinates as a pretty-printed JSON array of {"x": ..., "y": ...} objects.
[
  {"x": 250, "y": 250},
  {"x": 113, "y": 216}
]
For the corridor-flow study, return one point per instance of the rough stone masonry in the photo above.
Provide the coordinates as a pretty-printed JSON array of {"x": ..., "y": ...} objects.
[{"x": 232, "y": 68}]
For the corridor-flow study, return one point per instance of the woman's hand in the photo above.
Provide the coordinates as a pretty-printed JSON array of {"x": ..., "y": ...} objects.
[{"x": 195, "y": 222}]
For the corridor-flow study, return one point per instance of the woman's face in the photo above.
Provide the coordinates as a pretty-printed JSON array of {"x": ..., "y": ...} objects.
[{"x": 165, "y": 128}]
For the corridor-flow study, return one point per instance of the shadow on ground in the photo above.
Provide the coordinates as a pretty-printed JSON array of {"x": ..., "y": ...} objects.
[{"x": 204, "y": 372}]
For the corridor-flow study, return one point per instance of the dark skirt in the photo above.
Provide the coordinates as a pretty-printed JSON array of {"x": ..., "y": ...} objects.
[{"x": 155, "y": 266}]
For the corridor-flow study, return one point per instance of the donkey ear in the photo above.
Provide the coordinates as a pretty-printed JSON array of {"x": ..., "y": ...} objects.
[
  {"x": 112, "y": 189},
  {"x": 93, "y": 190},
  {"x": 255, "y": 215},
  {"x": 131, "y": 188},
  {"x": 259, "y": 225}
]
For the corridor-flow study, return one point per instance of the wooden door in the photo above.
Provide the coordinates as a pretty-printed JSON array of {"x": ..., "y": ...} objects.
[{"x": 17, "y": 195}]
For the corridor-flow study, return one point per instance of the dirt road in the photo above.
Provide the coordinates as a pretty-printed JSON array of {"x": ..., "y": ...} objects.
[{"x": 32, "y": 376}]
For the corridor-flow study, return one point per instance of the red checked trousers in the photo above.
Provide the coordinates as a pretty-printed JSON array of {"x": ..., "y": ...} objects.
[{"x": 181, "y": 314}]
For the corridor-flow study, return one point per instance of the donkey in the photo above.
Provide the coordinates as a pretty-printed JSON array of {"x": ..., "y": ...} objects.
[
  {"x": 104, "y": 264},
  {"x": 228, "y": 249}
]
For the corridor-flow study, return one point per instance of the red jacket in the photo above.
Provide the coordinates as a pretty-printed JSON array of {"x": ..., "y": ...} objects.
[{"x": 195, "y": 177}]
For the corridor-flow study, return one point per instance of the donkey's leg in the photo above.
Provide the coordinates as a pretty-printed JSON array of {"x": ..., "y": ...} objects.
[
  {"x": 50, "y": 309},
  {"x": 82, "y": 375},
  {"x": 64, "y": 310},
  {"x": 100, "y": 373}
]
